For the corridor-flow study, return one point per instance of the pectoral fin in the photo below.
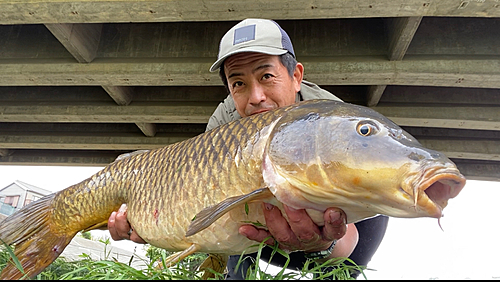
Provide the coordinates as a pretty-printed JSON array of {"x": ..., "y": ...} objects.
[
  {"x": 209, "y": 215},
  {"x": 101, "y": 225}
]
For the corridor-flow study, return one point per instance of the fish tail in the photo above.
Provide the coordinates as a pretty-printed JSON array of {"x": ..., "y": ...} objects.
[{"x": 36, "y": 243}]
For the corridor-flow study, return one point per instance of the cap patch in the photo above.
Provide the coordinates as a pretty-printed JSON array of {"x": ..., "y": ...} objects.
[{"x": 244, "y": 34}]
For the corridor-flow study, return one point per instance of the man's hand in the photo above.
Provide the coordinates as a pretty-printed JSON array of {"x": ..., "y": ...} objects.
[
  {"x": 119, "y": 227},
  {"x": 301, "y": 233}
]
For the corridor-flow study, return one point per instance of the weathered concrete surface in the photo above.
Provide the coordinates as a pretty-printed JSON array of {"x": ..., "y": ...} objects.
[
  {"x": 426, "y": 71},
  {"x": 171, "y": 113},
  {"x": 65, "y": 11}
]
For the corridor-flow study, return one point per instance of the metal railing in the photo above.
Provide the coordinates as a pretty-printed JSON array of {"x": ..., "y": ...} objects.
[{"x": 7, "y": 209}]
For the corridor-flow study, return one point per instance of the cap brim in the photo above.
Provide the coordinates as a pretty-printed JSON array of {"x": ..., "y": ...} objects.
[{"x": 256, "y": 49}]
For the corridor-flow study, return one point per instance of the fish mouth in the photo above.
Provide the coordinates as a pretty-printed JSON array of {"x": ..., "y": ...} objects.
[{"x": 438, "y": 189}]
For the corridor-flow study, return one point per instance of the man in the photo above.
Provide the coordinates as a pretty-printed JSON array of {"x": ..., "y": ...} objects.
[{"x": 257, "y": 65}]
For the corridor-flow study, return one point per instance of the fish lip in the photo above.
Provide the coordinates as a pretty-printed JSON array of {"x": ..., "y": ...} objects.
[{"x": 438, "y": 189}]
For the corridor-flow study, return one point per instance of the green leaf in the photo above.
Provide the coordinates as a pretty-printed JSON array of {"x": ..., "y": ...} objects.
[
  {"x": 254, "y": 223},
  {"x": 13, "y": 257},
  {"x": 246, "y": 208}
]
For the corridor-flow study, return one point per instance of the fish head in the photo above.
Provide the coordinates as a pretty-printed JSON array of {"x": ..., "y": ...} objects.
[{"x": 333, "y": 154}]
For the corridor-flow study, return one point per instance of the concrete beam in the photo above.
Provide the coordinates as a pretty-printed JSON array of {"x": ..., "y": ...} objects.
[
  {"x": 488, "y": 150},
  {"x": 485, "y": 118},
  {"x": 121, "y": 95},
  {"x": 479, "y": 170},
  {"x": 81, "y": 40},
  {"x": 171, "y": 113},
  {"x": 56, "y": 11},
  {"x": 401, "y": 32},
  {"x": 61, "y": 157},
  {"x": 149, "y": 129},
  {"x": 481, "y": 72},
  {"x": 111, "y": 72},
  {"x": 374, "y": 94},
  {"x": 90, "y": 142},
  {"x": 422, "y": 71},
  {"x": 95, "y": 129}
]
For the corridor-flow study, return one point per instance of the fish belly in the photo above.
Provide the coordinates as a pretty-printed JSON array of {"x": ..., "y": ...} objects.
[{"x": 167, "y": 230}]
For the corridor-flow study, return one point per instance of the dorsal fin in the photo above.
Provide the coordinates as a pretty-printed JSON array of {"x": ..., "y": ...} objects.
[{"x": 128, "y": 155}]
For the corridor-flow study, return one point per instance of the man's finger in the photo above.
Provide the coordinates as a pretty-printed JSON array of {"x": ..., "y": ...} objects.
[
  {"x": 302, "y": 225},
  {"x": 136, "y": 238},
  {"x": 112, "y": 227},
  {"x": 253, "y": 233},
  {"x": 121, "y": 224},
  {"x": 335, "y": 224},
  {"x": 280, "y": 229}
]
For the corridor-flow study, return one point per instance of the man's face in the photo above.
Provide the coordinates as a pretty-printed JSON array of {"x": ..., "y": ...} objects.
[{"x": 259, "y": 82}]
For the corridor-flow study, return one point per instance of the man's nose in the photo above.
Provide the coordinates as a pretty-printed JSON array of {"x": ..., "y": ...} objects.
[{"x": 257, "y": 94}]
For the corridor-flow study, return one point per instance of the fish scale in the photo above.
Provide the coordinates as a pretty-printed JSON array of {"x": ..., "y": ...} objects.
[
  {"x": 190, "y": 196},
  {"x": 203, "y": 191}
]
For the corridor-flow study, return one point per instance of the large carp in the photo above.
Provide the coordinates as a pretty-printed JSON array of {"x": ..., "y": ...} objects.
[{"x": 192, "y": 196}]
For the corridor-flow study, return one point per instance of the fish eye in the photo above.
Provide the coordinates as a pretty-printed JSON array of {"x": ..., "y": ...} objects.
[{"x": 366, "y": 128}]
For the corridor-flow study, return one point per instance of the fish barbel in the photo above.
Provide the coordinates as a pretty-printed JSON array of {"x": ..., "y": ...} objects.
[{"x": 192, "y": 196}]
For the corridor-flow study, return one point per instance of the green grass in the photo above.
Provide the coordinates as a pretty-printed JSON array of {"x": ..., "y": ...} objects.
[{"x": 110, "y": 269}]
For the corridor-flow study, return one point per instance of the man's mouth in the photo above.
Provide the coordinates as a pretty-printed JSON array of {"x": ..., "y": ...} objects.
[{"x": 260, "y": 110}]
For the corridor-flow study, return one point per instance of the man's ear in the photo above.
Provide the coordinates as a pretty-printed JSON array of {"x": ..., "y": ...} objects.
[{"x": 298, "y": 75}]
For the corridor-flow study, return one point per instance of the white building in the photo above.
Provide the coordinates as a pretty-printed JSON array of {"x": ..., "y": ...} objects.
[{"x": 17, "y": 195}]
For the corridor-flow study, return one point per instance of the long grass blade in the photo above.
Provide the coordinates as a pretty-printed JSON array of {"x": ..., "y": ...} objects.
[{"x": 14, "y": 258}]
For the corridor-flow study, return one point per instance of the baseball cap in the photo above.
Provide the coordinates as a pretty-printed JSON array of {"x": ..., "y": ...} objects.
[{"x": 253, "y": 35}]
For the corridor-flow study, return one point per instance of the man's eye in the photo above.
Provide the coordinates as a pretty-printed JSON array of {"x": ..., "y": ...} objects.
[
  {"x": 237, "y": 83},
  {"x": 267, "y": 76}
]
